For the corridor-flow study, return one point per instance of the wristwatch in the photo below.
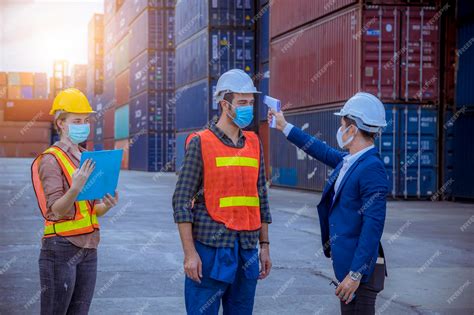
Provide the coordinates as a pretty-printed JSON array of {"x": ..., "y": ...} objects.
[{"x": 356, "y": 276}]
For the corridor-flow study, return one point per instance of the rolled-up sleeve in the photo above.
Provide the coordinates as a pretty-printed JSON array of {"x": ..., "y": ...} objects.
[
  {"x": 189, "y": 182},
  {"x": 265, "y": 215}
]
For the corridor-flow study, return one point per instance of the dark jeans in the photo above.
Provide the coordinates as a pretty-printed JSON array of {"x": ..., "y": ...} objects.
[
  {"x": 67, "y": 275},
  {"x": 366, "y": 294}
]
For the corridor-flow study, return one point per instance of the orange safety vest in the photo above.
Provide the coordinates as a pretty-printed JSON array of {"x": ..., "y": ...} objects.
[
  {"x": 85, "y": 218},
  {"x": 230, "y": 180}
]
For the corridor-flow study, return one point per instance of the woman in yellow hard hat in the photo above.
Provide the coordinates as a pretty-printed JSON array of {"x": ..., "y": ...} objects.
[{"x": 68, "y": 258}]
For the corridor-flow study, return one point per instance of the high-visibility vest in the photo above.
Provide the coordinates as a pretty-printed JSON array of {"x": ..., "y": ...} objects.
[
  {"x": 85, "y": 218},
  {"x": 231, "y": 180}
]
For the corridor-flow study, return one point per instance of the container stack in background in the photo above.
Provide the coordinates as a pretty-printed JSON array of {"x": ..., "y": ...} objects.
[
  {"x": 25, "y": 123},
  {"x": 459, "y": 117},
  {"x": 95, "y": 75},
  {"x": 325, "y": 52},
  {"x": 151, "y": 81},
  {"x": 212, "y": 37}
]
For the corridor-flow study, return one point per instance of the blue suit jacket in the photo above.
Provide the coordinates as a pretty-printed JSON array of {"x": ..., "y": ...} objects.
[{"x": 352, "y": 224}]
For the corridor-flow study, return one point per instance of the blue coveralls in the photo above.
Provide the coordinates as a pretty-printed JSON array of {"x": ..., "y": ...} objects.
[{"x": 229, "y": 274}]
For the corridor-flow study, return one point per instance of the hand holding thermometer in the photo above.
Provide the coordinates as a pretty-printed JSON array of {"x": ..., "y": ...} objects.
[{"x": 274, "y": 104}]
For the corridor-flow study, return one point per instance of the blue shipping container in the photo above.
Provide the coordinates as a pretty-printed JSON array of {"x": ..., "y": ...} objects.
[
  {"x": 263, "y": 34},
  {"x": 121, "y": 122},
  {"x": 99, "y": 129},
  {"x": 138, "y": 6},
  {"x": 463, "y": 172},
  {"x": 152, "y": 71},
  {"x": 263, "y": 86},
  {"x": 180, "y": 148},
  {"x": 109, "y": 70},
  {"x": 153, "y": 29},
  {"x": 149, "y": 152},
  {"x": 292, "y": 167},
  {"x": 211, "y": 53},
  {"x": 195, "y": 105},
  {"x": 148, "y": 110},
  {"x": 408, "y": 147},
  {"x": 27, "y": 92},
  {"x": 194, "y": 15},
  {"x": 465, "y": 68},
  {"x": 108, "y": 98}
]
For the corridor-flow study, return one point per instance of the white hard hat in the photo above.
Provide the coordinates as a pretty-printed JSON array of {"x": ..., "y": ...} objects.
[
  {"x": 234, "y": 81},
  {"x": 367, "y": 111}
]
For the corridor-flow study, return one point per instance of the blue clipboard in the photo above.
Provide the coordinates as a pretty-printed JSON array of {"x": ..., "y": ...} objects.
[{"x": 104, "y": 178}]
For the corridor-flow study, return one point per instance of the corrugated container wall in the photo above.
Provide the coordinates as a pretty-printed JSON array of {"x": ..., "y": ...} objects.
[
  {"x": 465, "y": 67},
  {"x": 353, "y": 56}
]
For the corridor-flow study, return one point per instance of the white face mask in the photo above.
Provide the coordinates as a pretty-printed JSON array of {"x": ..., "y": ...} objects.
[{"x": 339, "y": 135}]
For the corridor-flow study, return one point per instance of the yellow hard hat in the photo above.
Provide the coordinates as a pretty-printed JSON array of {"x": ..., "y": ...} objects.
[{"x": 72, "y": 101}]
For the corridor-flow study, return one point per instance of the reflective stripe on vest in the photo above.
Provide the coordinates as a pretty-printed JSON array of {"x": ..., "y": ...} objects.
[
  {"x": 85, "y": 219},
  {"x": 230, "y": 181}
]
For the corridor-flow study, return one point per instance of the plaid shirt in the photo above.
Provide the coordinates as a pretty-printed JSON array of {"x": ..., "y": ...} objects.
[{"x": 190, "y": 187}]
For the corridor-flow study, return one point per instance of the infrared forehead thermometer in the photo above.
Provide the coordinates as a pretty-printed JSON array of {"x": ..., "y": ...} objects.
[{"x": 274, "y": 104}]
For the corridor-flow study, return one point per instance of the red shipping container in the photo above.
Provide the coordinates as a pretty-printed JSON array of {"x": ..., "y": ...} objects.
[
  {"x": 109, "y": 122},
  {"x": 122, "y": 88},
  {"x": 286, "y": 15},
  {"x": 90, "y": 145},
  {"x": 29, "y": 150},
  {"x": 28, "y": 110},
  {"x": 109, "y": 144},
  {"x": 25, "y": 132},
  {"x": 123, "y": 144},
  {"x": 327, "y": 62},
  {"x": 420, "y": 62},
  {"x": 3, "y": 78}
]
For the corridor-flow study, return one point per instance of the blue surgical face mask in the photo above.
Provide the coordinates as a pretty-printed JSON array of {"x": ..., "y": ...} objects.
[
  {"x": 79, "y": 133},
  {"x": 243, "y": 115}
]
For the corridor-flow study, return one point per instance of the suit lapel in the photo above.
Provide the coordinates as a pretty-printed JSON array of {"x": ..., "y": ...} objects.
[
  {"x": 350, "y": 170},
  {"x": 331, "y": 180}
]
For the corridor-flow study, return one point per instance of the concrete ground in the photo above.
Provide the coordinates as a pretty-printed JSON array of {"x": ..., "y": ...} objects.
[{"x": 429, "y": 247}]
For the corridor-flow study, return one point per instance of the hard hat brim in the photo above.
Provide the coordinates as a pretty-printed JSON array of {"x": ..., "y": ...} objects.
[{"x": 75, "y": 112}]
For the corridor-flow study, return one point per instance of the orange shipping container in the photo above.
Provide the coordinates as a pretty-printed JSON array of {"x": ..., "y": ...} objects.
[
  {"x": 28, "y": 110},
  {"x": 26, "y": 78},
  {"x": 25, "y": 132},
  {"x": 29, "y": 150},
  {"x": 3, "y": 92},
  {"x": 3, "y": 78},
  {"x": 123, "y": 144},
  {"x": 14, "y": 92}
]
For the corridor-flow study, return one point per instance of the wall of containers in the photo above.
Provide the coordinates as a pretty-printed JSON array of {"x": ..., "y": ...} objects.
[
  {"x": 458, "y": 125},
  {"x": 136, "y": 110},
  {"x": 212, "y": 37},
  {"x": 326, "y": 52},
  {"x": 25, "y": 125}
]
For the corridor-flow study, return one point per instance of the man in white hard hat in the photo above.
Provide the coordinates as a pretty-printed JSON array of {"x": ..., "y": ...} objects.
[
  {"x": 353, "y": 204},
  {"x": 220, "y": 205}
]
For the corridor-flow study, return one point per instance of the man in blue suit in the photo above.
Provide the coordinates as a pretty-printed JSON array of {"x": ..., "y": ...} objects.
[{"x": 353, "y": 204}]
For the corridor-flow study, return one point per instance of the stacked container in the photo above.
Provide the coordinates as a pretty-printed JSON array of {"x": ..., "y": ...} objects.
[
  {"x": 326, "y": 52},
  {"x": 212, "y": 37},
  {"x": 95, "y": 59},
  {"x": 79, "y": 77},
  {"x": 20, "y": 85},
  {"x": 3, "y": 85},
  {"x": 40, "y": 85},
  {"x": 151, "y": 81}
]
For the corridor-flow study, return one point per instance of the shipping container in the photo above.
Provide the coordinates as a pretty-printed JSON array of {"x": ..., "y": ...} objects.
[
  {"x": 180, "y": 148},
  {"x": 121, "y": 54},
  {"x": 465, "y": 66},
  {"x": 122, "y": 21},
  {"x": 211, "y": 53},
  {"x": 28, "y": 110},
  {"x": 40, "y": 79},
  {"x": 124, "y": 145},
  {"x": 109, "y": 144},
  {"x": 122, "y": 88},
  {"x": 3, "y": 79},
  {"x": 27, "y": 92},
  {"x": 90, "y": 145},
  {"x": 109, "y": 37},
  {"x": 153, "y": 29},
  {"x": 409, "y": 149},
  {"x": 263, "y": 85},
  {"x": 98, "y": 146},
  {"x": 148, "y": 152},
  {"x": 121, "y": 123},
  {"x": 3, "y": 92},
  {"x": 195, "y": 105},
  {"x": 194, "y": 15},
  {"x": 14, "y": 92},
  {"x": 286, "y": 15},
  {"x": 22, "y": 150},
  {"x": 99, "y": 129},
  {"x": 263, "y": 25},
  {"x": 26, "y": 78},
  {"x": 109, "y": 65},
  {"x": 40, "y": 92},
  {"x": 264, "y": 135},
  {"x": 24, "y": 132},
  {"x": 108, "y": 97},
  {"x": 463, "y": 172},
  {"x": 152, "y": 71},
  {"x": 292, "y": 167},
  {"x": 353, "y": 56},
  {"x": 109, "y": 10},
  {"x": 14, "y": 78},
  {"x": 109, "y": 124},
  {"x": 148, "y": 110}
]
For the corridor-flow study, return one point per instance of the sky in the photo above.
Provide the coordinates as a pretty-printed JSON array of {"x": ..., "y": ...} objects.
[{"x": 33, "y": 33}]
